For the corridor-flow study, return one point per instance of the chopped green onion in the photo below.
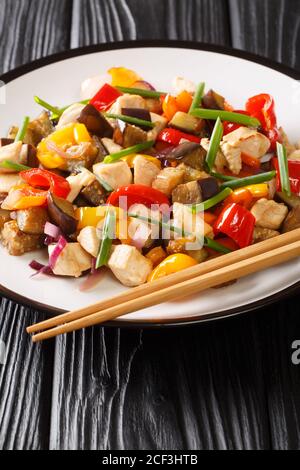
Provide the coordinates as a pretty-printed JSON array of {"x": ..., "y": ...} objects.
[
  {"x": 238, "y": 118},
  {"x": 255, "y": 179},
  {"x": 140, "y": 92},
  {"x": 14, "y": 166},
  {"x": 204, "y": 206},
  {"x": 22, "y": 131},
  {"x": 105, "y": 185},
  {"x": 222, "y": 177},
  {"x": 197, "y": 101},
  {"x": 209, "y": 243},
  {"x": 214, "y": 144},
  {"x": 61, "y": 110},
  {"x": 284, "y": 170},
  {"x": 55, "y": 112},
  {"x": 49, "y": 107},
  {"x": 130, "y": 120},
  {"x": 107, "y": 239},
  {"x": 114, "y": 157}
]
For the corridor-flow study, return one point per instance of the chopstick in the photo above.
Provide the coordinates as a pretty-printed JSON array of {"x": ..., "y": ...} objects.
[{"x": 188, "y": 282}]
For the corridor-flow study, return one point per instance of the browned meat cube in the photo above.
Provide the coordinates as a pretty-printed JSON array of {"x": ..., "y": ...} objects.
[
  {"x": 133, "y": 135},
  {"x": 168, "y": 179},
  {"x": 260, "y": 234},
  {"x": 95, "y": 194},
  {"x": 32, "y": 221},
  {"x": 189, "y": 193},
  {"x": 17, "y": 242},
  {"x": 4, "y": 217},
  {"x": 38, "y": 129}
]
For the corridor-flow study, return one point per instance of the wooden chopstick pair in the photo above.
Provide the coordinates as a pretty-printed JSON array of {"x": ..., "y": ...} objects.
[{"x": 188, "y": 282}]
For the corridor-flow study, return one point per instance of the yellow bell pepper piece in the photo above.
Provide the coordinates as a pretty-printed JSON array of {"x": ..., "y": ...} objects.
[
  {"x": 258, "y": 190},
  {"x": 73, "y": 134},
  {"x": 123, "y": 77},
  {"x": 172, "y": 264},
  {"x": 92, "y": 216},
  {"x": 130, "y": 159}
]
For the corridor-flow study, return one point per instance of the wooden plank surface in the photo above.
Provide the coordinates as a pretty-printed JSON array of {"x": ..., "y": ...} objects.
[
  {"x": 223, "y": 385},
  {"x": 267, "y": 27},
  {"x": 97, "y": 21},
  {"x": 29, "y": 29}
]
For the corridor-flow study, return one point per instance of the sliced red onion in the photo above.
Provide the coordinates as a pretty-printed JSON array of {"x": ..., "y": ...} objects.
[
  {"x": 267, "y": 158},
  {"x": 143, "y": 85},
  {"x": 92, "y": 280},
  {"x": 52, "y": 231},
  {"x": 49, "y": 241},
  {"x": 54, "y": 148},
  {"x": 40, "y": 268},
  {"x": 61, "y": 245}
]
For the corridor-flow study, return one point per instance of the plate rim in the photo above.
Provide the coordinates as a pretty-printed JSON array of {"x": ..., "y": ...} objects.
[{"x": 192, "y": 45}]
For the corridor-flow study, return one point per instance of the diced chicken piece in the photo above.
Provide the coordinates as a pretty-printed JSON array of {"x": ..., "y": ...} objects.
[
  {"x": 13, "y": 153},
  {"x": 269, "y": 214},
  {"x": 127, "y": 101},
  {"x": 233, "y": 156},
  {"x": 249, "y": 141},
  {"x": 33, "y": 220},
  {"x": 70, "y": 115},
  {"x": 188, "y": 222},
  {"x": 168, "y": 179},
  {"x": 4, "y": 217},
  {"x": 260, "y": 234},
  {"x": 295, "y": 155},
  {"x": 92, "y": 85},
  {"x": 78, "y": 182},
  {"x": 290, "y": 148},
  {"x": 129, "y": 266},
  {"x": 89, "y": 239},
  {"x": 73, "y": 260},
  {"x": 115, "y": 174},
  {"x": 145, "y": 171},
  {"x": 17, "y": 242},
  {"x": 181, "y": 84},
  {"x": 160, "y": 123},
  {"x": 111, "y": 146},
  {"x": 150, "y": 214},
  {"x": 188, "y": 193},
  {"x": 9, "y": 181},
  {"x": 220, "y": 161}
]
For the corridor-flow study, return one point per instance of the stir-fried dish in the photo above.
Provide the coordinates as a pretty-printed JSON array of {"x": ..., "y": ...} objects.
[{"x": 145, "y": 182}]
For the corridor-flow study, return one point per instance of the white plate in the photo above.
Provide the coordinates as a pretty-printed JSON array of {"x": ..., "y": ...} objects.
[{"x": 58, "y": 80}]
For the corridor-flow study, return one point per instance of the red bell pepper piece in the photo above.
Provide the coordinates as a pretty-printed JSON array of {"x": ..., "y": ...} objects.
[
  {"x": 232, "y": 126},
  {"x": 237, "y": 223},
  {"x": 139, "y": 194},
  {"x": 263, "y": 108},
  {"x": 174, "y": 137},
  {"x": 105, "y": 97},
  {"x": 38, "y": 178},
  {"x": 227, "y": 242},
  {"x": 294, "y": 175}
]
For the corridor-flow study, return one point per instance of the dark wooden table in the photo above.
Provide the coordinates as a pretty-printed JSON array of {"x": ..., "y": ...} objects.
[{"x": 223, "y": 385}]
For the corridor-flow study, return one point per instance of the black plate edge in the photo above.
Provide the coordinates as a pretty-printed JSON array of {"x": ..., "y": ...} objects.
[{"x": 60, "y": 56}]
